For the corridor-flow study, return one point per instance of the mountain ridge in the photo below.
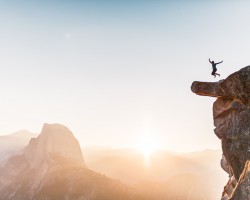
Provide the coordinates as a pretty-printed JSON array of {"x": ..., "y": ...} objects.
[{"x": 48, "y": 168}]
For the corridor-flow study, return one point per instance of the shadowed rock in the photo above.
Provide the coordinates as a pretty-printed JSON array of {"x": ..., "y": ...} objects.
[
  {"x": 231, "y": 113},
  {"x": 242, "y": 191}
]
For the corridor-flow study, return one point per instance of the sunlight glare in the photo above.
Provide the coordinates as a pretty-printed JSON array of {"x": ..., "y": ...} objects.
[{"x": 146, "y": 145}]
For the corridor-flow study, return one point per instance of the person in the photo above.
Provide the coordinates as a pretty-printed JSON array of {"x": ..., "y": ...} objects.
[{"x": 214, "y": 67}]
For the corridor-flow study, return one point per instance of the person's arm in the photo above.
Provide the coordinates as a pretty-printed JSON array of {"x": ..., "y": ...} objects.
[
  {"x": 219, "y": 62},
  {"x": 210, "y": 60}
]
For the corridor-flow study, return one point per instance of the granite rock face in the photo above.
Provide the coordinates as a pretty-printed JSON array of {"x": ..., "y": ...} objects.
[
  {"x": 242, "y": 191},
  {"x": 54, "y": 140},
  {"x": 231, "y": 112}
]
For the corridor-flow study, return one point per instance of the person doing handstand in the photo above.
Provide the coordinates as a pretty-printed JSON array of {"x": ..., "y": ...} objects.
[{"x": 214, "y": 67}]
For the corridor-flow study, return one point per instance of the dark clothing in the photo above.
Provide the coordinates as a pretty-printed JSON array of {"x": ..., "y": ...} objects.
[{"x": 214, "y": 66}]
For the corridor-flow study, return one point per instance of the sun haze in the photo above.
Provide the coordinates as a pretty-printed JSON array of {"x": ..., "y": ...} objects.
[{"x": 147, "y": 146}]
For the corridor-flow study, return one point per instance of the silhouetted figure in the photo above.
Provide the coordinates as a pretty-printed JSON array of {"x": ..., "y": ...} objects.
[{"x": 214, "y": 67}]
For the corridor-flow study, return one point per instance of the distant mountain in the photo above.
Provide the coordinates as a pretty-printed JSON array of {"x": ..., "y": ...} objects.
[
  {"x": 52, "y": 167},
  {"x": 18, "y": 139},
  {"x": 13, "y": 143},
  {"x": 161, "y": 166},
  {"x": 166, "y": 175}
]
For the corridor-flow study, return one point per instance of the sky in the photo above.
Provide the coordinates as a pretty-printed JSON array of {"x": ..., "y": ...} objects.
[{"x": 117, "y": 72}]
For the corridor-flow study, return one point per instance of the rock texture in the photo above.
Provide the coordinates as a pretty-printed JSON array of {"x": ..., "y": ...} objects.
[
  {"x": 52, "y": 167},
  {"x": 54, "y": 140},
  {"x": 231, "y": 112},
  {"x": 242, "y": 191},
  {"x": 235, "y": 86}
]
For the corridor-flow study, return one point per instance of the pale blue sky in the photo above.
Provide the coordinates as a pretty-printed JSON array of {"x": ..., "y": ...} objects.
[{"x": 113, "y": 71}]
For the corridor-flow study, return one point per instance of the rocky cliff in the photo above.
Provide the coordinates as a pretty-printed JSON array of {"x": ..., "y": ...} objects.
[
  {"x": 231, "y": 112},
  {"x": 52, "y": 167}
]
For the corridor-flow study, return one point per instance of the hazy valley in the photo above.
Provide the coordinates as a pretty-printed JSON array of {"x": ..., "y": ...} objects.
[
  {"x": 166, "y": 175},
  {"x": 54, "y": 160}
]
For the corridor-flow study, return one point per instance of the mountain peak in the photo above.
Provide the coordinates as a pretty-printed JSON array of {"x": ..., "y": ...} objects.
[
  {"x": 23, "y": 134},
  {"x": 55, "y": 140}
]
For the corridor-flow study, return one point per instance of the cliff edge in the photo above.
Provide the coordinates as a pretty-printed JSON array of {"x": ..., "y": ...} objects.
[{"x": 231, "y": 113}]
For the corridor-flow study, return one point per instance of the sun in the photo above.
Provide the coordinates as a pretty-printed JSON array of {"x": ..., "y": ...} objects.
[{"x": 146, "y": 145}]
